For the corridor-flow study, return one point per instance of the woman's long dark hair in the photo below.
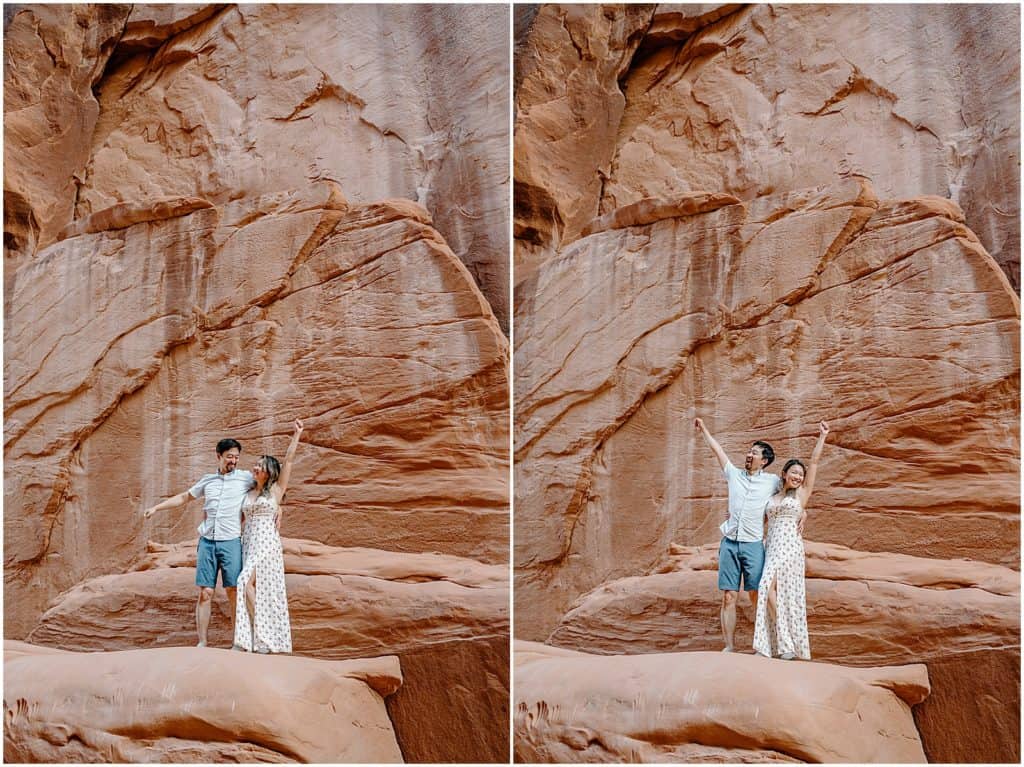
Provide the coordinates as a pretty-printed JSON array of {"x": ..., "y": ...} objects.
[{"x": 273, "y": 468}]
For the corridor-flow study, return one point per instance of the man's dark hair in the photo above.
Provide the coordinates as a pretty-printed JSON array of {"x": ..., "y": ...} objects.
[
  {"x": 766, "y": 452},
  {"x": 226, "y": 444}
]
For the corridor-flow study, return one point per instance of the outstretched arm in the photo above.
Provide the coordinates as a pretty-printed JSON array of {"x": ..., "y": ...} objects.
[
  {"x": 171, "y": 503},
  {"x": 286, "y": 471},
  {"x": 812, "y": 471},
  {"x": 723, "y": 459}
]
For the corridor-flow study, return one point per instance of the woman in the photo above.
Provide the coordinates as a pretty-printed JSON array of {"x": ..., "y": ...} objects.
[
  {"x": 261, "y": 622},
  {"x": 781, "y": 625}
]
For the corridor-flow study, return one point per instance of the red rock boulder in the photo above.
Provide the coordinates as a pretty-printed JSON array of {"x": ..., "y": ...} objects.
[{"x": 190, "y": 704}]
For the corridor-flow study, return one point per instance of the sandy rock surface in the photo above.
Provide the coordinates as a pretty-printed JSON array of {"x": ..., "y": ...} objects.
[
  {"x": 344, "y": 603},
  {"x": 961, "y": 618},
  {"x": 189, "y": 704},
  {"x": 680, "y": 707},
  {"x": 863, "y": 608},
  {"x": 445, "y": 617}
]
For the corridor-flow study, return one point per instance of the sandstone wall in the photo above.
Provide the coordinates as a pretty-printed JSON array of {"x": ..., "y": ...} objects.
[
  {"x": 136, "y": 349},
  {"x": 616, "y": 104},
  {"x": 110, "y": 104},
  {"x": 765, "y": 216},
  {"x": 219, "y": 219},
  {"x": 886, "y": 318}
]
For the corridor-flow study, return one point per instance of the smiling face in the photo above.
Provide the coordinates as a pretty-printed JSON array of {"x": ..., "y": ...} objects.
[
  {"x": 755, "y": 460},
  {"x": 793, "y": 477},
  {"x": 228, "y": 460},
  {"x": 259, "y": 472}
]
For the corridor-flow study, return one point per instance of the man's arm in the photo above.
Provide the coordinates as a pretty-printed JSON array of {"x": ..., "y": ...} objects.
[
  {"x": 171, "y": 503},
  {"x": 723, "y": 459}
]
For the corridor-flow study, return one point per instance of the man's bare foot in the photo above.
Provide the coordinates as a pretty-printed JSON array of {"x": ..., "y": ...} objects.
[
  {"x": 201, "y": 644},
  {"x": 727, "y": 649}
]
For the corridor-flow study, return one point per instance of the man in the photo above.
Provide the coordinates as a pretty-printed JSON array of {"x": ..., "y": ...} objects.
[
  {"x": 741, "y": 553},
  {"x": 220, "y": 534}
]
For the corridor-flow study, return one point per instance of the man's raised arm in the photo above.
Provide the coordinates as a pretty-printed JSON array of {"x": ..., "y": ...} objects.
[{"x": 723, "y": 459}]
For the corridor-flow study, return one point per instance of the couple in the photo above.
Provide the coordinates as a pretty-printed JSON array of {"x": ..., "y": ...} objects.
[
  {"x": 233, "y": 497},
  {"x": 772, "y": 572}
]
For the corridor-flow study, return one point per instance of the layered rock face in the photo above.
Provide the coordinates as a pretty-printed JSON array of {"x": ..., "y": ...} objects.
[
  {"x": 960, "y": 617},
  {"x": 361, "y": 309},
  {"x": 766, "y": 216},
  {"x": 221, "y": 218},
  {"x": 616, "y": 105},
  {"x": 886, "y": 318},
  {"x": 683, "y": 707},
  {"x": 53, "y": 56},
  {"x": 138, "y": 348},
  {"x": 180, "y": 705},
  {"x": 445, "y": 617},
  {"x": 232, "y": 101}
]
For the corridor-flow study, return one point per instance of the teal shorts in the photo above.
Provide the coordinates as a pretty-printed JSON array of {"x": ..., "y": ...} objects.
[
  {"x": 222, "y": 556},
  {"x": 736, "y": 558}
]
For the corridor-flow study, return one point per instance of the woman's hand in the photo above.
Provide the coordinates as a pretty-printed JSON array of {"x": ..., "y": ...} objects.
[
  {"x": 822, "y": 429},
  {"x": 298, "y": 427}
]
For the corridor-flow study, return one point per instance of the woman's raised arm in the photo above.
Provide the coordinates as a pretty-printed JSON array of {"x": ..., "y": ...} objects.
[
  {"x": 286, "y": 471},
  {"x": 805, "y": 491}
]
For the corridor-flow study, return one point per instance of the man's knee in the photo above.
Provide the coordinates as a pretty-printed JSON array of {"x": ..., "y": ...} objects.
[
  {"x": 728, "y": 598},
  {"x": 205, "y": 595}
]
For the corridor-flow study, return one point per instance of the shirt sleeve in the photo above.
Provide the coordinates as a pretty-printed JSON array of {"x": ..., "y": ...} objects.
[
  {"x": 729, "y": 470},
  {"x": 198, "y": 488}
]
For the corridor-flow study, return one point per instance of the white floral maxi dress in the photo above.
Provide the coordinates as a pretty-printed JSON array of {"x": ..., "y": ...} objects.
[
  {"x": 262, "y": 554},
  {"x": 784, "y": 564}
]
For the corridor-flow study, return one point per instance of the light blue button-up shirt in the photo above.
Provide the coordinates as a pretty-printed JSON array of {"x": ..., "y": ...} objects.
[
  {"x": 222, "y": 502},
  {"x": 748, "y": 495}
]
